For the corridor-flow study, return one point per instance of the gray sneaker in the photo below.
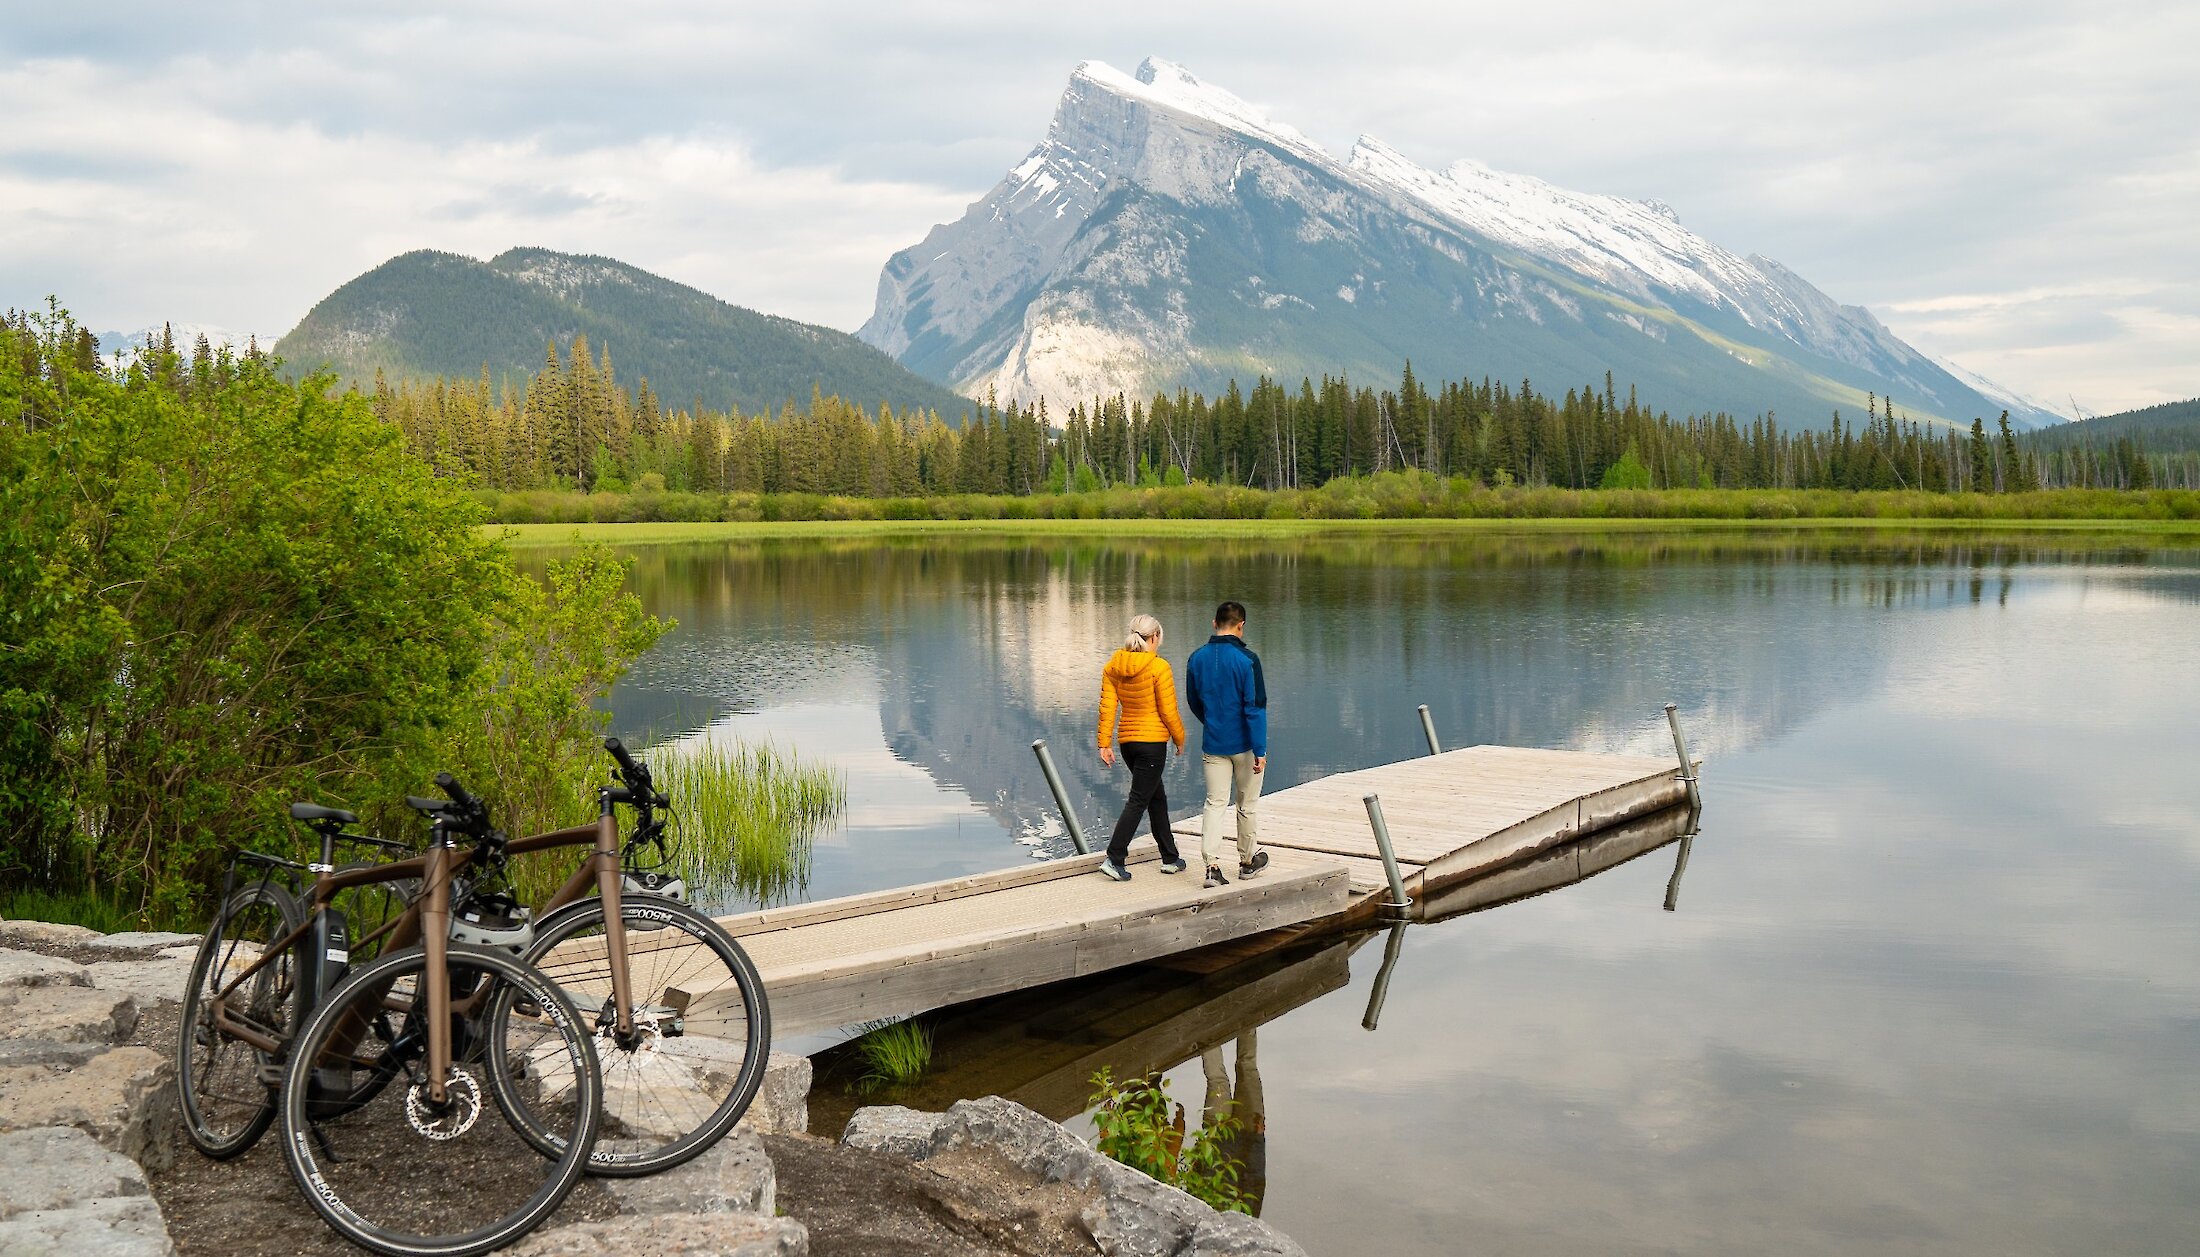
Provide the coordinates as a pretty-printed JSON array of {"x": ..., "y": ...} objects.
[
  {"x": 1172, "y": 866},
  {"x": 1252, "y": 867},
  {"x": 1114, "y": 872}
]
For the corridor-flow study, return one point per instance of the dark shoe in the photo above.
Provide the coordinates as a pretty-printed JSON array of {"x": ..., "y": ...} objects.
[
  {"x": 1215, "y": 877},
  {"x": 1252, "y": 867},
  {"x": 1172, "y": 866},
  {"x": 1114, "y": 872}
]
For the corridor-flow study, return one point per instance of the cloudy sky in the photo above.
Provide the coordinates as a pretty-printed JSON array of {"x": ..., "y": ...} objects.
[{"x": 2011, "y": 183}]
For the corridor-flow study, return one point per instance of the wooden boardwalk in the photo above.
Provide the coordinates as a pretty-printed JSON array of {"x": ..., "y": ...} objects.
[{"x": 1453, "y": 817}]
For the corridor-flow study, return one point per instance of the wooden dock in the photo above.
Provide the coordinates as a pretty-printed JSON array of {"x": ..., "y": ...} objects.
[{"x": 1453, "y": 817}]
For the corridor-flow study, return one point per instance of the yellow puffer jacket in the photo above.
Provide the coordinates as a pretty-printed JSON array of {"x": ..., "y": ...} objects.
[{"x": 1140, "y": 685}]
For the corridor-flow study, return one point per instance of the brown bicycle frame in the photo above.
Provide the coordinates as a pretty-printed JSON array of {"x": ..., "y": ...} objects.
[
  {"x": 602, "y": 868},
  {"x": 427, "y": 919}
]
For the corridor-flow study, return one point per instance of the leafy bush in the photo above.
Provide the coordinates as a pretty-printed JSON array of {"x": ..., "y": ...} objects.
[
  {"x": 1138, "y": 1125},
  {"x": 224, "y": 592}
]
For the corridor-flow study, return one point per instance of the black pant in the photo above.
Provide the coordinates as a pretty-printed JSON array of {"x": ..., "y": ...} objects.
[{"x": 1145, "y": 760}]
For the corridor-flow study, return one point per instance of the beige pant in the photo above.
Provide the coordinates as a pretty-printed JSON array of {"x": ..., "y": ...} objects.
[{"x": 1224, "y": 772}]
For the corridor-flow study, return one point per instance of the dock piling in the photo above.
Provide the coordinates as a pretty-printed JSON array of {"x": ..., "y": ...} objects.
[
  {"x": 1061, "y": 796},
  {"x": 1398, "y": 901},
  {"x": 1393, "y": 947},
  {"x": 1428, "y": 730},
  {"x": 1680, "y": 748},
  {"x": 1680, "y": 866}
]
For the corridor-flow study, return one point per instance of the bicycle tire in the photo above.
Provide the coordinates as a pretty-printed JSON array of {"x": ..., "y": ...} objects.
[
  {"x": 401, "y": 1188},
  {"x": 221, "y": 1086},
  {"x": 667, "y": 1096}
]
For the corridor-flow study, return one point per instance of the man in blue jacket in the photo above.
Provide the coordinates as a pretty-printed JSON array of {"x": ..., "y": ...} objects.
[{"x": 1230, "y": 697}]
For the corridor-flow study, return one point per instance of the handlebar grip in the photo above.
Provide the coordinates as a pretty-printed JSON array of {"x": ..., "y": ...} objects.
[
  {"x": 620, "y": 755},
  {"x": 449, "y": 785}
]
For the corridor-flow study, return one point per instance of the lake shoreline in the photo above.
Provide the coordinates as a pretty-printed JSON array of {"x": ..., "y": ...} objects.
[{"x": 645, "y": 533}]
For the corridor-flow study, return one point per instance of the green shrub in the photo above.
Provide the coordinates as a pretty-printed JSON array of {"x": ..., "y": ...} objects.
[{"x": 1137, "y": 1125}]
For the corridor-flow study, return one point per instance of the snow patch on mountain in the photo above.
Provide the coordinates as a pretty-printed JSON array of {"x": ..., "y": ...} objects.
[{"x": 1997, "y": 393}]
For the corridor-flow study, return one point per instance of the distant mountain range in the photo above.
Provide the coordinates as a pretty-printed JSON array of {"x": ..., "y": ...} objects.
[
  {"x": 427, "y": 314},
  {"x": 1165, "y": 233}
]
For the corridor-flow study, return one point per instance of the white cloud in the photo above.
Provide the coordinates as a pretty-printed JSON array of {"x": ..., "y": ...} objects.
[{"x": 210, "y": 165}]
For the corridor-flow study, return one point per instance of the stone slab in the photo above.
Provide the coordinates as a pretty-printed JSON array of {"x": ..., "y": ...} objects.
[
  {"x": 28, "y": 969},
  {"x": 48, "y": 932},
  {"x": 734, "y": 1176},
  {"x": 54, "y": 1167},
  {"x": 159, "y": 981},
  {"x": 662, "y": 1235},
  {"x": 124, "y": 1098},
  {"x": 115, "y": 1227},
  {"x": 782, "y": 1104},
  {"x": 67, "y": 1014}
]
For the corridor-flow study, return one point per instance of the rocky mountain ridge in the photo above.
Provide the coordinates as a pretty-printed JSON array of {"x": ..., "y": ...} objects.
[{"x": 1167, "y": 233}]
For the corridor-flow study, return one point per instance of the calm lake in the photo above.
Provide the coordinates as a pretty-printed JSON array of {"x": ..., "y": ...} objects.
[{"x": 1932, "y": 980}]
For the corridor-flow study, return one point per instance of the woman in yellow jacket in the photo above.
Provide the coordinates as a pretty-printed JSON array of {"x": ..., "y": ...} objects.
[{"x": 1138, "y": 684}]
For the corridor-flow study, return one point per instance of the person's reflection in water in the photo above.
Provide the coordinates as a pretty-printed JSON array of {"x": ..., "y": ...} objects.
[{"x": 1248, "y": 1106}]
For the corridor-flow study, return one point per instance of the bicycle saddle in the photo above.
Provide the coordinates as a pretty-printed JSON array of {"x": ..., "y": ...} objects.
[{"x": 315, "y": 812}]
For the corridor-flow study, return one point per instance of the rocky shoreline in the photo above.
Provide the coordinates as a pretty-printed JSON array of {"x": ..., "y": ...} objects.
[{"x": 96, "y": 1163}]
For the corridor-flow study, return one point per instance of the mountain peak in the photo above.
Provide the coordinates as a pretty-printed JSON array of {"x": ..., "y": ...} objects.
[{"x": 1172, "y": 87}]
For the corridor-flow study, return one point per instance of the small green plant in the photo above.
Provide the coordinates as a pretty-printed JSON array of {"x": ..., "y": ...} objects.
[
  {"x": 1141, "y": 1127},
  {"x": 893, "y": 1054}
]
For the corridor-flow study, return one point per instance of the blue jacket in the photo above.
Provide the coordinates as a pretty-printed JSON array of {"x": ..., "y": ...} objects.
[{"x": 1229, "y": 695}]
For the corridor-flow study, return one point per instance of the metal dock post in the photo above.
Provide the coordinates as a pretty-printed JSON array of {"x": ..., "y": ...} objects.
[
  {"x": 1680, "y": 748},
  {"x": 1398, "y": 901},
  {"x": 1061, "y": 796},
  {"x": 1428, "y": 730}
]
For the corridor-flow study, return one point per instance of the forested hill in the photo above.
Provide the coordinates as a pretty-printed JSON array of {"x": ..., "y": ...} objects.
[
  {"x": 2169, "y": 426},
  {"x": 427, "y": 314}
]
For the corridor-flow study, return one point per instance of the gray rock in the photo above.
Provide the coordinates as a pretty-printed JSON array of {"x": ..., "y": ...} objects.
[
  {"x": 114, "y": 1227},
  {"x": 15, "y": 1052},
  {"x": 124, "y": 1098},
  {"x": 1239, "y": 1235},
  {"x": 67, "y": 1014},
  {"x": 782, "y": 1104},
  {"x": 139, "y": 940},
  {"x": 44, "y": 932},
  {"x": 734, "y": 1176},
  {"x": 657, "y": 1235},
  {"x": 1026, "y": 1139},
  {"x": 893, "y": 1130},
  {"x": 159, "y": 981},
  {"x": 28, "y": 969},
  {"x": 54, "y": 1167},
  {"x": 1137, "y": 1216}
]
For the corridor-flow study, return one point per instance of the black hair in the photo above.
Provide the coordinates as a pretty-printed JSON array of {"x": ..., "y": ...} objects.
[{"x": 1229, "y": 613}]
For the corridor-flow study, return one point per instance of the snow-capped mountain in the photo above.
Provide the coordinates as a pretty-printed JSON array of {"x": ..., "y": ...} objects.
[
  {"x": 1167, "y": 233},
  {"x": 186, "y": 335}
]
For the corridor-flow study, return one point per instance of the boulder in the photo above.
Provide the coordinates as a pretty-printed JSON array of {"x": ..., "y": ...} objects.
[
  {"x": 139, "y": 940},
  {"x": 29, "y": 969},
  {"x": 158, "y": 981},
  {"x": 1027, "y": 1140},
  {"x": 64, "y": 1193},
  {"x": 52, "y": 1167},
  {"x": 66, "y": 1014},
  {"x": 15, "y": 1052},
  {"x": 893, "y": 1130},
  {"x": 130, "y": 1227},
  {"x": 782, "y": 1104},
  {"x": 123, "y": 1097},
  {"x": 661, "y": 1235},
  {"x": 1239, "y": 1235},
  {"x": 734, "y": 1175},
  {"x": 1138, "y": 1216},
  {"x": 47, "y": 932}
]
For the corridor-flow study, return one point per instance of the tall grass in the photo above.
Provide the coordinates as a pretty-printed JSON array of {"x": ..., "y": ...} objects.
[
  {"x": 748, "y": 814},
  {"x": 89, "y": 909},
  {"x": 893, "y": 1054}
]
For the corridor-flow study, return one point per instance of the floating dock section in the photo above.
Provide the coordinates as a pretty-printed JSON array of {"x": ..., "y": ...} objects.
[{"x": 1453, "y": 818}]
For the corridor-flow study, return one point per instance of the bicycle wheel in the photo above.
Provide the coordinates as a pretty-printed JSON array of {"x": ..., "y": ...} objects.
[
  {"x": 223, "y": 1082},
  {"x": 395, "y": 1171},
  {"x": 702, "y": 1030}
]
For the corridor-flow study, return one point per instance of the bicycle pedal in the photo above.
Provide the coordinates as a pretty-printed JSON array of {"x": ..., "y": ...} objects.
[{"x": 271, "y": 1074}]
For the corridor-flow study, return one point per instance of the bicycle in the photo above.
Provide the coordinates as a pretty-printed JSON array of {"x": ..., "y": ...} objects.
[
  {"x": 422, "y": 1173},
  {"x": 682, "y": 1024}
]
